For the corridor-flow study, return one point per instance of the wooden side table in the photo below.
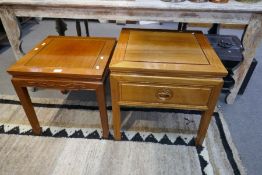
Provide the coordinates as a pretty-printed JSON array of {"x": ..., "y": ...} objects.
[
  {"x": 165, "y": 69},
  {"x": 71, "y": 63}
]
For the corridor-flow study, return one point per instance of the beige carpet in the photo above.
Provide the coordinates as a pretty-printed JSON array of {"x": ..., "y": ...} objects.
[{"x": 156, "y": 142}]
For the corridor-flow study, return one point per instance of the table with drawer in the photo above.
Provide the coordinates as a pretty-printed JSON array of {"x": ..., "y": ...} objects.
[{"x": 165, "y": 69}]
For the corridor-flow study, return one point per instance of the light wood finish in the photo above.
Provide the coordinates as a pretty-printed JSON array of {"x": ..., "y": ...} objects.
[
  {"x": 174, "y": 77},
  {"x": 76, "y": 57},
  {"x": 71, "y": 63},
  {"x": 177, "y": 95},
  {"x": 148, "y": 47},
  {"x": 115, "y": 107},
  {"x": 101, "y": 100},
  {"x": 207, "y": 115},
  {"x": 25, "y": 100},
  {"x": 138, "y": 10},
  {"x": 168, "y": 51}
]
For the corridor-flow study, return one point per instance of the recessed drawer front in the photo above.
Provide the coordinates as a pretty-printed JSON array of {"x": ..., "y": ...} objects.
[{"x": 177, "y": 95}]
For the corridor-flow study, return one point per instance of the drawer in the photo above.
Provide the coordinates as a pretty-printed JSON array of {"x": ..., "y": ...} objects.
[{"x": 154, "y": 94}]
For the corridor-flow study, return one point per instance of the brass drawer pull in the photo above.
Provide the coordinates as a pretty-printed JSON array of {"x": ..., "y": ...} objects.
[{"x": 164, "y": 94}]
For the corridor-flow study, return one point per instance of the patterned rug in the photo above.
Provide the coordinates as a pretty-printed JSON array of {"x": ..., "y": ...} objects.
[{"x": 154, "y": 141}]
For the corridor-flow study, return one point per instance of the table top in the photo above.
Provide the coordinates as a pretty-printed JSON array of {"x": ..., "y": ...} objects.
[
  {"x": 231, "y": 6},
  {"x": 166, "y": 51},
  {"x": 67, "y": 57}
]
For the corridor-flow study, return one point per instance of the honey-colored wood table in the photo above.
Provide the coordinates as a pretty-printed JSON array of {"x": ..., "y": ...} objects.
[
  {"x": 164, "y": 69},
  {"x": 70, "y": 63}
]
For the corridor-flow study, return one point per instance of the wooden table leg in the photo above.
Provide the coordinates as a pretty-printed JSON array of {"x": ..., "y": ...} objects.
[
  {"x": 100, "y": 95},
  {"x": 115, "y": 108},
  {"x": 13, "y": 31},
  {"x": 25, "y": 100},
  {"x": 207, "y": 115},
  {"x": 203, "y": 126},
  {"x": 116, "y": 120},
  {"x": 251, "y": 41}
]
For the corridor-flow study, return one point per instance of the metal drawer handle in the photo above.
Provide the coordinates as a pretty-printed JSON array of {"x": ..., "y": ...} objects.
[{"x": 164, "y": 94}]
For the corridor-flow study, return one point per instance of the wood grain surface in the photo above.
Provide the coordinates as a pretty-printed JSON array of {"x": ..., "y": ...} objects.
[
  {"x": 145, "y": 4},
  {"x": 172, "y": 52},
  {"x": 67, "y": 56},
  {"x": 149, "y": 77}
]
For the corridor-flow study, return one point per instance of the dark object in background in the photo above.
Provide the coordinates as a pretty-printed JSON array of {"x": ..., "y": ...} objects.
[
  {"x": 182, "y": 26},
  {"x": 215, "y": 29},
  {"x": 229, "y": 49},
  {"x": 2, "y": 32},
  {"x": 3, "y": 37}
]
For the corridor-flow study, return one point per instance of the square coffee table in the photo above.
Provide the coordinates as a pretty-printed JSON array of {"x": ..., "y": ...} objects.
[
  {"x": 165, "y": 69},
  {"x": 71, "y": 63}
]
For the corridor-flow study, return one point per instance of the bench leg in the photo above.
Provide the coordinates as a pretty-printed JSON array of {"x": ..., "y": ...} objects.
[
  {"x": 100, "y": 95},
  {"x": 25, "y": 100}
]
